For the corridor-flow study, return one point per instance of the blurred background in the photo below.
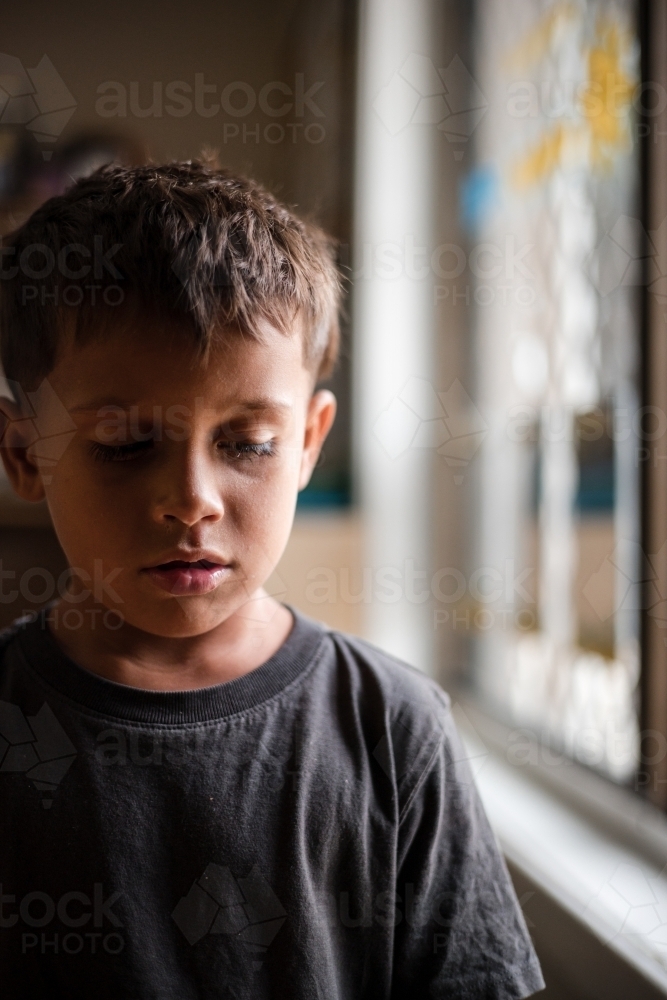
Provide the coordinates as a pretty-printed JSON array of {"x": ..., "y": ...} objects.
[{"x": 492, "y": 503}]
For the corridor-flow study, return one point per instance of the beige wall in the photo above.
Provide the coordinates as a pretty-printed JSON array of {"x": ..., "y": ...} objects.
[
  {"x": 255, "y": 42},
  {"x": 321, "y": 572}
]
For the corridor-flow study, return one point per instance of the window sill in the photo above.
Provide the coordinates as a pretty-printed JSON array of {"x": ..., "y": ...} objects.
[{"x": 596, "y": 849}]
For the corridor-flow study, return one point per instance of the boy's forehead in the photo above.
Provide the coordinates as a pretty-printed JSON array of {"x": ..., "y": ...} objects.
[{"x": 128, "y": 366}]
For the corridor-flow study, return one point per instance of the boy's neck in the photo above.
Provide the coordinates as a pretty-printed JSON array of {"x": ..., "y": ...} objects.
[{"x": 127, "y": 655}]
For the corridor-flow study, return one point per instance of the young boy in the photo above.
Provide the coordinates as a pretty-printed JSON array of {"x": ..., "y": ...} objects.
[{"x": 205, "y": 793}]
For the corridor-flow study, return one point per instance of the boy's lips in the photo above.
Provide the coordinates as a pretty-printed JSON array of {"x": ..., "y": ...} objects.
[{"x": 192, "y": 575}]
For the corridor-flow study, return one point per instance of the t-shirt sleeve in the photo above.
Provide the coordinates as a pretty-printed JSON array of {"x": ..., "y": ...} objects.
[{"x": 462, "y": 934}]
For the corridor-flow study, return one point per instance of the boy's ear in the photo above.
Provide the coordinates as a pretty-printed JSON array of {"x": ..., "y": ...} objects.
[
  {"x": 17, "y": 433},
  {"x": 319, "y": 418}
]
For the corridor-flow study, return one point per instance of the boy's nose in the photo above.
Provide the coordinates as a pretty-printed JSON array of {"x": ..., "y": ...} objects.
[{"x": 189, "y": 492}]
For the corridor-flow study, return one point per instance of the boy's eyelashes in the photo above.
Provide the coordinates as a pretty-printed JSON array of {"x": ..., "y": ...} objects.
[
  {"x": 237, "y": 450},
  {"x": 118, "y": 452},
  {"x": 246, "y": 449}
]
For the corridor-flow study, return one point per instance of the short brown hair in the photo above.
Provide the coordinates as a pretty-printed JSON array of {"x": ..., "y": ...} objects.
[{"x": 187, "y": 242}]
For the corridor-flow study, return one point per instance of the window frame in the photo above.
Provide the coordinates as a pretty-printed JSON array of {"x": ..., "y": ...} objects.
[{"x": 653, "y": 683}]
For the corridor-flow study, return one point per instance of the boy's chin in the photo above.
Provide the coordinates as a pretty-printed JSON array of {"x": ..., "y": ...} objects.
[{"x": 183, "y": 617}]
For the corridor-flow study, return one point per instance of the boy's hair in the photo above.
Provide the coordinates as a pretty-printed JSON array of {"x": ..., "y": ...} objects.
[{"x": 187, "y": 243}]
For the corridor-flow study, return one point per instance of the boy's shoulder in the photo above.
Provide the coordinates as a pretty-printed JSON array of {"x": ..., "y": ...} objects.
[
  {"x": 406, "y": 715},
  {"x": 397, "y": 681}
]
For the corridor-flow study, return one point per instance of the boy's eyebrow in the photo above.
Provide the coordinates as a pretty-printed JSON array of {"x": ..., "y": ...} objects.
[{"x": 93, "y": 405}]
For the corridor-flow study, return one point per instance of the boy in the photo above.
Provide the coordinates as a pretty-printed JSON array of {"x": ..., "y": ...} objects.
[{"x": 240, "y": 803}]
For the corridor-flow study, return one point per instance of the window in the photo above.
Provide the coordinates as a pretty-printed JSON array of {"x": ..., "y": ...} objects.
[{"x": 560, "y": 248}]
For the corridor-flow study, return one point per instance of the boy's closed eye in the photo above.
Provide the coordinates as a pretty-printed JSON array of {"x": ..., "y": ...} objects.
[{"x": 235, "y": 450}]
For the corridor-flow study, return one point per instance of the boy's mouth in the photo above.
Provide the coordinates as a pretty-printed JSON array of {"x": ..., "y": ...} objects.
[{"x": 179, "y": 576}]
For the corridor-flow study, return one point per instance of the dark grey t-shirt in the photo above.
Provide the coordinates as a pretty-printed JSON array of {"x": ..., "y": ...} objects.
[{"x": 309, "y": 830}]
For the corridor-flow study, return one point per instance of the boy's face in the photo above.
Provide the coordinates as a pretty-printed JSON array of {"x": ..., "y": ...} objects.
[{"x": 171, "y": 461}]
